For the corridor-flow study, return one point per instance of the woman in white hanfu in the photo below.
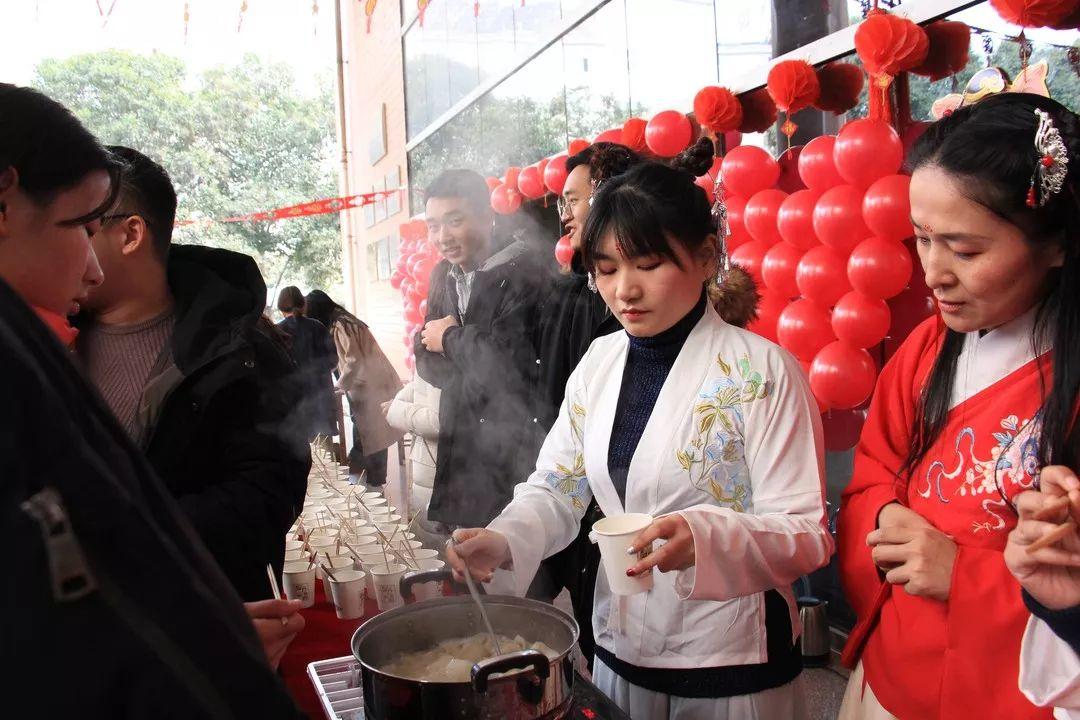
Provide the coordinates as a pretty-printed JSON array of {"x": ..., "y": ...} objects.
[{"x": 710, "y": 429}]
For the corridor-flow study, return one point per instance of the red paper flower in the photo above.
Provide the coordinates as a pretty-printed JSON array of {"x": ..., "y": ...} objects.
[
  {"x": 1035, "y": 13},
  {"x": 841, "y": 86},
  {"x": 717, "y": 109},
  {"x": 793, "y": 85},
  {"x": 633, "y": 134},
  {"x": 948, "y": 54},
  {"x": 759, "y": 111},
  {"x": 888, "y": 45}
]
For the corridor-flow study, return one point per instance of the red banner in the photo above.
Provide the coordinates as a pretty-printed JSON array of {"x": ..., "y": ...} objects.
[{"x": 313, "y": 207}]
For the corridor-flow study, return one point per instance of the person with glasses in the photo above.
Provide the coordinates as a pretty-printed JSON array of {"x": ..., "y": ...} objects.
[{"x": 175, "y": 341}]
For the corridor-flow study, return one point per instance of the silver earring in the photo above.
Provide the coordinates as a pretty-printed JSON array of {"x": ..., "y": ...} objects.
[{"x": 592, "y": 282}]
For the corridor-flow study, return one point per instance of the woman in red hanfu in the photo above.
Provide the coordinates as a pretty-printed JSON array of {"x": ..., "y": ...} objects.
[{"x": 973, "y": 404}]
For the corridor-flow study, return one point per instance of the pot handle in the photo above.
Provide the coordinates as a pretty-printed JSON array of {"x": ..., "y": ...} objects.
[
  {"x": 520, "y": 660},
  {"x": 410, "y": 579}
]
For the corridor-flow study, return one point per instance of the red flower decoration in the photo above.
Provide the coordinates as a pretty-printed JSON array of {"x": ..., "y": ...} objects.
[
  {"x": 888, "y": 45},
  {"x": 793, "y": 85},
  {"x": 948, "y": 55},
  {"x": 717, "y": 109},
  {"x": 759, "y": 111},
  {"x": 1035, "y": 13},
  {"x": 633, "y": 134},
  {"x": 841, "y": 86}
]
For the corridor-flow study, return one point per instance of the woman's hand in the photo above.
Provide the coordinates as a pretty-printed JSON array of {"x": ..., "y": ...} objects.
[
  {"x": 482, "y": 551},
  {"x": 277, "y": 622},
  {"x": 920, "y": 558},
  {"x": 895, "y": 515},
  {"x": 1051, "y": 575},
  {"x": 675, "y": 554}
]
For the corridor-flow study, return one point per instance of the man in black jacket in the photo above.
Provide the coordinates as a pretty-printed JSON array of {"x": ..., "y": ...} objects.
[
  {"x": 476, "y": 346},
  {"x": 178, "y": 346}
]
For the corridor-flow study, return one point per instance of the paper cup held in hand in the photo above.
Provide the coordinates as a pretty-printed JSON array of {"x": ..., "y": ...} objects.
[
  {"x": 347, "y": 593},
  {"x": 299, "y": 582},
  {"x": 614, "y": 535},
  {"x": 387, "y": 585}
]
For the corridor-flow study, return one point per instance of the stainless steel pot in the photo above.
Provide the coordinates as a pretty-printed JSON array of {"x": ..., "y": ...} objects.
[{"x": 542, "y": 692}]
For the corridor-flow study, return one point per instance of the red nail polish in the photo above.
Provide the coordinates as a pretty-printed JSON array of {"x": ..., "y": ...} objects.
[{"x": 630, "y": 572}]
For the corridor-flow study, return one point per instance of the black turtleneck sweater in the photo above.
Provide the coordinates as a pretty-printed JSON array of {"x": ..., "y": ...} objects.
[{"x": 648, "y": 362}]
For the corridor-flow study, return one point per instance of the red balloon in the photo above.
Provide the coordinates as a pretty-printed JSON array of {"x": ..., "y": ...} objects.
[
  {"x": 842, "y": 375},
  {"x": 778, "y": 269},
  {"x": 822, "y": 275},
  {"x": 505, "y": 200},
  {"x": 706, "y": 183},
  {"x": 867, "y": 150},
  {"x": 748, "y": 170},
  {"x": 737, "y": 238},
  {"x": 577, "y": 145},
  {"x": 736, "y": 207},
  {"x": 838, "y": 220},
  {"x": 768, "y": 313},
  {"x": 555, "y": 173},
  {"x": 511, "y": 178},
  {"x": 729, "y": 140},
  {"x": 668, "y": 133},
  {"x": 804, "y": 329},
  {"x": 910, "y": 308},
  {"x": 879, "y": 268},
  {"x": 795, "y": 219},
  {"x": 886, "y": 207},
  {"x": 423, "y": 308},
  {"x": 749, "y": 257},
  {"x": 816, "y": 167},
  {"x": 416, "y": 296},
  {"x": 759, "y": 217},
  {"x": 396, "y": 278},
  {"x": 614, "y": 135},
  {"x": 633, "y": 134},
  {"x": 861, "y": 320},
  {"x": 412, "y": 314},
  {"x": 842, "y": 428},
  {"x": 421, "y": 269},
  {"x": 788, "y": 161},
  {"x": 564, "y": 253},
  {"x": 530, "y": 183},
  {"x": 410, "y": 362}
]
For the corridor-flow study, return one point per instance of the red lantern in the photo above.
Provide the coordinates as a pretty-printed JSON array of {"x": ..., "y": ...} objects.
[
  {"x": 530, "y": 183},
  {"x": 842, "y": 428},
  {"x": 577, "y": 146},
  {"x": 505, "y": 200},
  {"x": 886, "y": 207},
  {"x": 555, "y": 173},
  {"x": 759, "y": 217},
  {"x": 822, "y": 275},
  {"x": 1034, "y": 13},
  {"x": 838, "y": 220},
  {"x": 717, "y": 109},
  {"x": 841, "y": 86},
  {"x": 633, "y": 134},
  {"x": 789, "y": 180},
  {"x": 748, "y": 170},
  {"x": 803, "y": 328},
  {"x": 867, "y": 150},
  {"x": 842, "y": 375},
  {"x": 768, "y": 313},
  {"x": 861, "y": 320},
  {"x": 669, "y": 133},
  {"x": 816, "y": 167},
  {"x": 706, "y": 183},
  {"x": 778, "y": 269},
  {"x": 613, "y": 135},
  {"x": 749, "y": 257},
  {"x": 792, "y": 85},
  {"x": 759, "y": 112},
  {"x": 564, "y": 252},
  {"x": 795, "y": 219},
  {"x": 950, "y": 42},
  {"x": 879, "y": 268}
]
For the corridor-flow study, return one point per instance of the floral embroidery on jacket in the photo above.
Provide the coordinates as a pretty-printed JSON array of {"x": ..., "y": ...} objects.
[
  {"x": 715, "y": 459},
  {"x": 1013, "y": 467},
  {"x": 571, "y": 481}
]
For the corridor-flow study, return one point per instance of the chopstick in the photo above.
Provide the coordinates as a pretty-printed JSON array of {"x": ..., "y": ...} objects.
[
  {"x": 275, "y": 588},
  {"x": 1052, "y": 537}
]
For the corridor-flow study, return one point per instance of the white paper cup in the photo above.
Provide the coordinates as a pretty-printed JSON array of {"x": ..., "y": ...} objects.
[
  {"x": 432, "y": 589},
  {"x": 296, "y": 556},
  {"x": 373, "y": 507},
  {"x": 358, "y": 541},
  {"x": 370, "y": 496},
  {"x": 390, "y": 528},
  {"x": 387, "y": 587},
  {"x": 323, "y": 543},
  {"x": 614, "y": 535},
  {"x": 294, "y": 545},
  {"x": 423, "y": 554},
  {"x": 347, "y": 593},
  {"x": 299, "y": 582},
  {"x": 337, "y": 562}
]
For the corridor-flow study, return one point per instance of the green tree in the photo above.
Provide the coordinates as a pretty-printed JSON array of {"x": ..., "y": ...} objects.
[{"x": 235, "y": 140}]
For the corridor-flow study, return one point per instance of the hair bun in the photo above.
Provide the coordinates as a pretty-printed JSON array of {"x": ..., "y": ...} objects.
[
  {"x": 696, "y": 159},
  {"x": 611, "y": 159}
]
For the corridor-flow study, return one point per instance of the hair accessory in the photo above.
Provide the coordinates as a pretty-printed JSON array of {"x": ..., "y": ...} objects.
[
  {"x": 592, "y": 282},
  {"x": 723, "y": 228},
  {"x": 595, "y": 186},
  {"x": 1052, "y": 165}
]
